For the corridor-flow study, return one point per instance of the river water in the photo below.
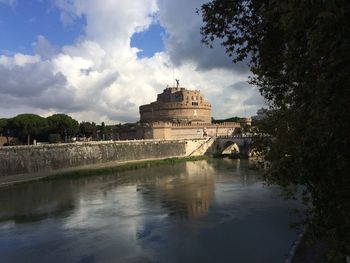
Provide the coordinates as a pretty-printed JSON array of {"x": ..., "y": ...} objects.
[{"x": 203, "y": 211}]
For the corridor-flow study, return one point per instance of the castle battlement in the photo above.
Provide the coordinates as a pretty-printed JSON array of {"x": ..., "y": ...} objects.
[
  {"x": 206, "y": 125},
  {"x": 177, "y": 105}
]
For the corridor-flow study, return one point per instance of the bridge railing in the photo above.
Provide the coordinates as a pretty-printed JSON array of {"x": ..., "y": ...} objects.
[
  {"x": 250, "y": 136},
  {"x": 234, "y": 136}
]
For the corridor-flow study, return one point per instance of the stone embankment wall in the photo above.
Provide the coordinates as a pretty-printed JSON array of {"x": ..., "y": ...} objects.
[{"x": 48, "y": 158}]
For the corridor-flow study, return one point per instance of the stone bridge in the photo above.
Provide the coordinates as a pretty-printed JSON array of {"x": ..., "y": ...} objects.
[{"x": 232, "y": 145}]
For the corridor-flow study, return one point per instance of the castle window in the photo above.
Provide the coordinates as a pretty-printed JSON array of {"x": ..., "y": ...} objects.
[{"x": 194, "y": 103}]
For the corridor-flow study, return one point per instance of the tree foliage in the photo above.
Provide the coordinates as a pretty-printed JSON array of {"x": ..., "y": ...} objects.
[
  {"x": 54, "y": 129},
  {"x": 105, "y": 131},
  {"x": 54, "y": 138},
  {"x": 232, "y": 119},
  {"x": 88, "y": 128},
  {"x": 3, "y": 126},
  {"x": 299, "y": 54},
  {"x": 29, "y": 125},
  {"x": 63, "y": 124}
]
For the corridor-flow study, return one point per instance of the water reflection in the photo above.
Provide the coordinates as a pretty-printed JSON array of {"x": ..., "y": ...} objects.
[
  {"x": 36, "y": 201},
  {"x": 186, "y": 195},
  {"x": 185, "y": 190},
  {"x": 204, "y": 211}
]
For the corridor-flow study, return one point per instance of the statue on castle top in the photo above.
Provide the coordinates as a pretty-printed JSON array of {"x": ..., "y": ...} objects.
[{"x": 177, "y": 82}]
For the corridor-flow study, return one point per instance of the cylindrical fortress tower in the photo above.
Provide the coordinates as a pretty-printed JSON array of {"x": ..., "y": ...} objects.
[{"x": 177, "y": 105}]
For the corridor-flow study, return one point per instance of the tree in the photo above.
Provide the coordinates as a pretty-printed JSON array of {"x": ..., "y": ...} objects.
[
  {"x": 4, "y": 129},
  {"x": 28, "y": 125},
  {"x": 103, "y": 130},
  {"x": 54, "y": 138},
  {"x": 299, "y": 54},
  {"x": 88, "y": 128},
  {"x": 232, "y": 119},
  {"x": 63, "y": 125},
  {"x": 3, "y": 126}
]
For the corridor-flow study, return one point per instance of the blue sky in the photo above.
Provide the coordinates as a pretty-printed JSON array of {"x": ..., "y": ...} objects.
[
  {"x": 78, "y": 57},
  {"x": 21, "y": 23},
  {"x": 149, "y": 41}
]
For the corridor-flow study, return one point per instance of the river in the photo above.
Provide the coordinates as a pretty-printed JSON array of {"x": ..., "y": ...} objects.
[{"x": 204, "y": 211}]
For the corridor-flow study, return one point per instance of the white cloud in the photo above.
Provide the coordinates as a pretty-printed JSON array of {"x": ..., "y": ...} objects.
[
  {"x": 44, "y": 48},
  {"x": 99, "y": 78},
  {"x": 68, "y": 11},
  {"x": 18, "y": 59}
]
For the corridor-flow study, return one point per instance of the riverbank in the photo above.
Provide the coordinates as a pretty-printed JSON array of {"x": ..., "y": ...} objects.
[
  {"x": 310, "y": 250},
  {"x": 96, "y": 169},
  {"x": 308, "y": 253}
]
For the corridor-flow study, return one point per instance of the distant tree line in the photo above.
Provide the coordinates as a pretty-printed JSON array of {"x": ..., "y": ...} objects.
[
  {"x": 232, "y": 119},
  {"x": 55, "y": 129}
]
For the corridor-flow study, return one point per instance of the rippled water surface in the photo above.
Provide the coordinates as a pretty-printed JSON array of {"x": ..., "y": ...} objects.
[{"x": 203, "y": 211}]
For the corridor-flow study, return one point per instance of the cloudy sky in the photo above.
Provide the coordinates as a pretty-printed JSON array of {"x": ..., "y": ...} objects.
[{"x": 99, "y": 60}]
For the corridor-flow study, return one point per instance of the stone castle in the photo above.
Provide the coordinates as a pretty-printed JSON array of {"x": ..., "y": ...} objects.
[
  {"x": 177, "y": 105},
  {"x": 179, "y": 113}
]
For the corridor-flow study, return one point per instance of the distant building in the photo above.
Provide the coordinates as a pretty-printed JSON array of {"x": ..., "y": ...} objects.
[
  {"x": 177, "y": 105},
  {"x": 8, "y": 141},
  {"x": 179, "y": 113}
]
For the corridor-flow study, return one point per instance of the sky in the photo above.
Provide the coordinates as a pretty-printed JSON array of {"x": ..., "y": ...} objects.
[{"x": 100, "y": 60}]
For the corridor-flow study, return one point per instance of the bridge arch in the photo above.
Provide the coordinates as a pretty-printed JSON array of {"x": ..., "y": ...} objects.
[{"x": 230, "y": 147}]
